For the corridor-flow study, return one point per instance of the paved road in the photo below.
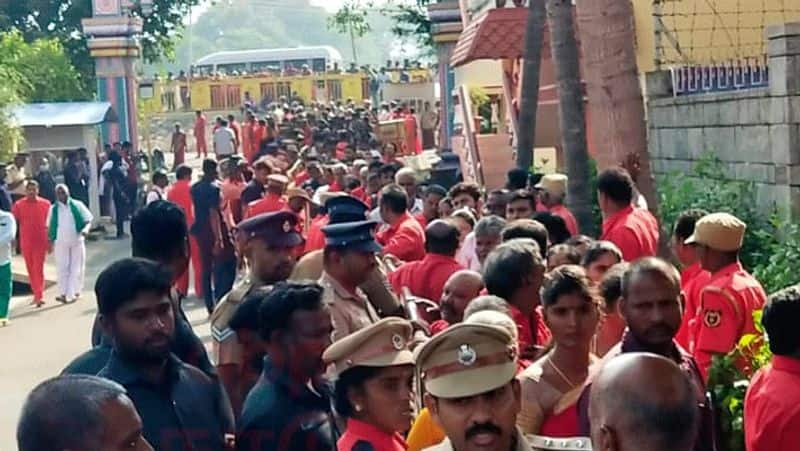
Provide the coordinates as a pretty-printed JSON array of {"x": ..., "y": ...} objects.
[{"x": 40, "y": 342}]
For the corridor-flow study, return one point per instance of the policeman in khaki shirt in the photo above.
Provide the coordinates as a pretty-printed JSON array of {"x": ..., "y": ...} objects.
[
  {"x": 348, "y": 259},
  {"x": 731, "y": 296},
  {"x": 267, "y": 243},
  {"x": 468, "y": 371}
]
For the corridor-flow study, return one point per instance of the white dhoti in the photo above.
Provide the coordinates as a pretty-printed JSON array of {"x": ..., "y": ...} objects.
[{"x": 70, "y": 264}]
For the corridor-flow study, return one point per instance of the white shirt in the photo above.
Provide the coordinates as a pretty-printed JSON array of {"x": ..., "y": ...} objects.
[
  {"x": 66, "y": 232},
  {"x": 8, "y": 230},
  {"x": 224, "y": 142},
  {"x": 466, "y": 254},
  {"x": 155, "y": 193}
]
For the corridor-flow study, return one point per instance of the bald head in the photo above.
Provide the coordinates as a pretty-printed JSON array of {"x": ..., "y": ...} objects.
[
  {"x": 643, "y": 401},
  {"x": 462, "y": 287},
  {"x": 441, "y": 237}
]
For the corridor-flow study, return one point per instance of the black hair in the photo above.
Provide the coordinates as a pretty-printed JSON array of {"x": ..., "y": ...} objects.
[
  {"x": 246, "y": 315},
  {"x": 183, "y": 172},
  {"x": 571, "y": 252},
  {"x": 441, "y": 237},
  {"x": 159, "y": 231},
  {"x": 351, "y": 182},
  {"x": 653, "y": 266},
  {"x": 284, "y": 299},
  {"x": 598, "y": 249},
  {"x": 435, "y": 189},
  {"x": 223, "y": 122},
  {"x": 388, "y": 169},
  {"x": 374, "y": 167},
  {"x": 527, "y": 228},
  {"x": 209, "y": 165},
  {"x": 617, "y": 185},
  {"x": 566, "y": 279},
  {"x": 556, "y": 227},
  {"x": 579, "y": 240},
  {"x": 684, "y": 225},
  {"x": 471, "y": 189},
  {"x": 523, "y": 194},
  {"x": 516, "y": 179},
  {"x": 124, "y": 280},
  {"x": 507, "y": 266},
  {"x": 65, "y": 412},
  {"x": 779, "y": 318},
  {"x": 159, "y": 175},
  {"x": 351, "y": 378},
  {"x": 395, "y": 198},
  {"x": 611, "y": 285}
]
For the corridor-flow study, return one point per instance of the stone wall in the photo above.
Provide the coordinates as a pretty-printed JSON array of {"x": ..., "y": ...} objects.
[{"x": 755, "y": 133}]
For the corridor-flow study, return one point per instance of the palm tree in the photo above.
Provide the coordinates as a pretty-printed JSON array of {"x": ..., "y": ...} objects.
[
  {"x": 572, "y": 118},
  {"x": 529, "y": 97},
  {"x": 616, "y": 107}
]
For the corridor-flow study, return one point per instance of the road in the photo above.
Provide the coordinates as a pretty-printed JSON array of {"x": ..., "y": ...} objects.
[{"x": 40, "y": 342}]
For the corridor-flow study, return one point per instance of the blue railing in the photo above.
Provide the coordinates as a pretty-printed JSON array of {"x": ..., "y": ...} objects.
[{"x": 692, "y": 80}]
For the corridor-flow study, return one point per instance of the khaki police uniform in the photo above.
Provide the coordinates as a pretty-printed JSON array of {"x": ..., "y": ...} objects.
[{"x": 467, "y": 360}]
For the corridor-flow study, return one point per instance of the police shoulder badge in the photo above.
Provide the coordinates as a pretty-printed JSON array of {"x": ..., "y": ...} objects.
[
  {"x": 712, "y": 318},
  {"x": 287, "y": 227},
  {"x": 466, "y": 355},
  {"x": 398, "y": 342}
]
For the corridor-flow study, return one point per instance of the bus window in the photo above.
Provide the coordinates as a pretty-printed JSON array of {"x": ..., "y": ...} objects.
[
  {"x": 319, "y": 65},
  {"x": 266, "y": 66},
  {"x": 230, "y": 68},
  {"x": 295, "y": 64}
]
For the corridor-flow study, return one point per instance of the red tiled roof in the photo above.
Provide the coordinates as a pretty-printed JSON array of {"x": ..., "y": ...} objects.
[{"x": 498, "y": 34}]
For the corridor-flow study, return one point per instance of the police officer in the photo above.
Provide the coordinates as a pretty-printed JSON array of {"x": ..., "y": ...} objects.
[
  {"x": 468, "y": 370},
  {"x": 374, "y": 356},
  {"x": 348, "y": 258},
  {"x": 267, "y": 242},
  {"x": 349, "y": 209},
  {"x": 731, "y": 296}
]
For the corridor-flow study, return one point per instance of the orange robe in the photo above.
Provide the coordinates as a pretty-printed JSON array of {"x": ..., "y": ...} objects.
[
  {"x": 31, "y": 216},
  {"x": 179, "y": 194}
]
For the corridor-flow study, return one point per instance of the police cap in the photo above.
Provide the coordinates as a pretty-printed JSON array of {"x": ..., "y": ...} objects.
[
  {"x": 276, "y": 229},
  {"x": 356, "y": 236}
]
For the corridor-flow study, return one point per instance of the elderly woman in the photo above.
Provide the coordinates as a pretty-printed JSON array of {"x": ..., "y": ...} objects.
[
  {"x": 374, "y": 370},
  {"x": 68, "y": 222}
]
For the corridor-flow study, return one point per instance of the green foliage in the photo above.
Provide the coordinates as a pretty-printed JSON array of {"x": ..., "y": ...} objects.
[
  {"x": 410, "y": 18},
  {"x": 707, "y": 186},
  {"x": 729, "y": 378},
  {"x": 351, "y": 18},
  {"x": 779, "y": 256},
  {"x": 10, "y": 134},
  {"x": 45, "y": 73}
]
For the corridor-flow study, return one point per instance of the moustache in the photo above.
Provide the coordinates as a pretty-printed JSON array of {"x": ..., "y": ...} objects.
[
  {"x": 157, "y": 337},
  {"x": 483, "y": 428}
]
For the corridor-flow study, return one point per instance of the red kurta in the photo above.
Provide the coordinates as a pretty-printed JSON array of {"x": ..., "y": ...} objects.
[
  {"x": 316, "y": 239},
  {"x": 180, "y": 194},
  {"x": 31, "y": 216},
  {"x": 405, "y": 239},
  {"x": 634, "y": 231},
  {"x": 358, "y": 431},
  {"x": 200, "y": 135},
  {"x": 693, "y": 280},
  {"x": 725, "y": 314},
  {"x": 270, "y": 203},
  {"x": 425, "y": 278},
  {"x": 532, "y": 330},
  {"x": 566, "y": 215},
  {"x": 771, "y": 416}
]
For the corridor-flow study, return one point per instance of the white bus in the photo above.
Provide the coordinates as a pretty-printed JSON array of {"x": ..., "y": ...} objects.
[{"x": 318, "y": 59}]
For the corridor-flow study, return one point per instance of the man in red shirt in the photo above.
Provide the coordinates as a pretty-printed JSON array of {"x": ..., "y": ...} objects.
[
  {"x": 274, "y": 199},
  {"x": 180, "y": 194},
  {"x": 200, "y": 123},
  {"x": 693, "y": 277},
  {"x": 248, "y": 136},
  {"x": 426, "y": 278},
  {"x": 30, "y": 213},
  {"x": 633, "y": 230},
  {"x": 430, "y": 204},
  {"x": 237, "y": 132},
  {"x": 553, "y": 192},
  {"x": 460, "y": 289},
  {"x": 730, "y": 297},
  {"x": 515, "y": 271},
  {"x": 404, "y": 237},
  {"x": 771, "y": 416}
]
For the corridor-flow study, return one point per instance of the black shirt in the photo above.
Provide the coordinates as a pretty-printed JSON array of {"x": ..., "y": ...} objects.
[
  {"x": 283, "y": 415},
  {"x": 252, "y": 192},
  {"x": 189, "y": 412},
  {"x": 205, "y": 198}
]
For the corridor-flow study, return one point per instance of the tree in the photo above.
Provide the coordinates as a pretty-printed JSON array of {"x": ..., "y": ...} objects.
[
  {"x": 10, "y": 133},
  {"x": 619, "y": 132},
  {"x": 410, "y": 18},
  {"x": 529, "y": 97},
  {"x": 351, "y": 18},
  {"x": 62, "y": 20},
  {"x": 571, "y": 113},
  {"x": 44, "y": 71}
]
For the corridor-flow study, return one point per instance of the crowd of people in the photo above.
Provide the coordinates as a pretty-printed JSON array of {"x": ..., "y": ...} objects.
[{"x": 353, "y": 307}]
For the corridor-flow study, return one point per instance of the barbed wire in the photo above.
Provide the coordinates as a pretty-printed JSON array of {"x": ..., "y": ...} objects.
[{"x": 714, "y": 31}]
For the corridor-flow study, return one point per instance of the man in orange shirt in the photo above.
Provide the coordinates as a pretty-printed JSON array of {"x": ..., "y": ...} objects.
[
  {"x": 731, "y": 296},
  {"x": 180, "y": 194},
  {"x": 404, "y": 237},
  {"x": 231, "y": 190},
  {"x": 30, "y": 213},
  {"x": 274, "y": 200},
  {"x": 693, "y": 277},
  {"x": 237, "y": 132},
  {"x": 771, "y": 417},
  {"x": 633, "y": 230},
  {"x": 200, "y": 123},
  {"x": 553, "y": 191},
  {"x": 248, "y": 136},
  {"x": 426, "y": 278}
]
